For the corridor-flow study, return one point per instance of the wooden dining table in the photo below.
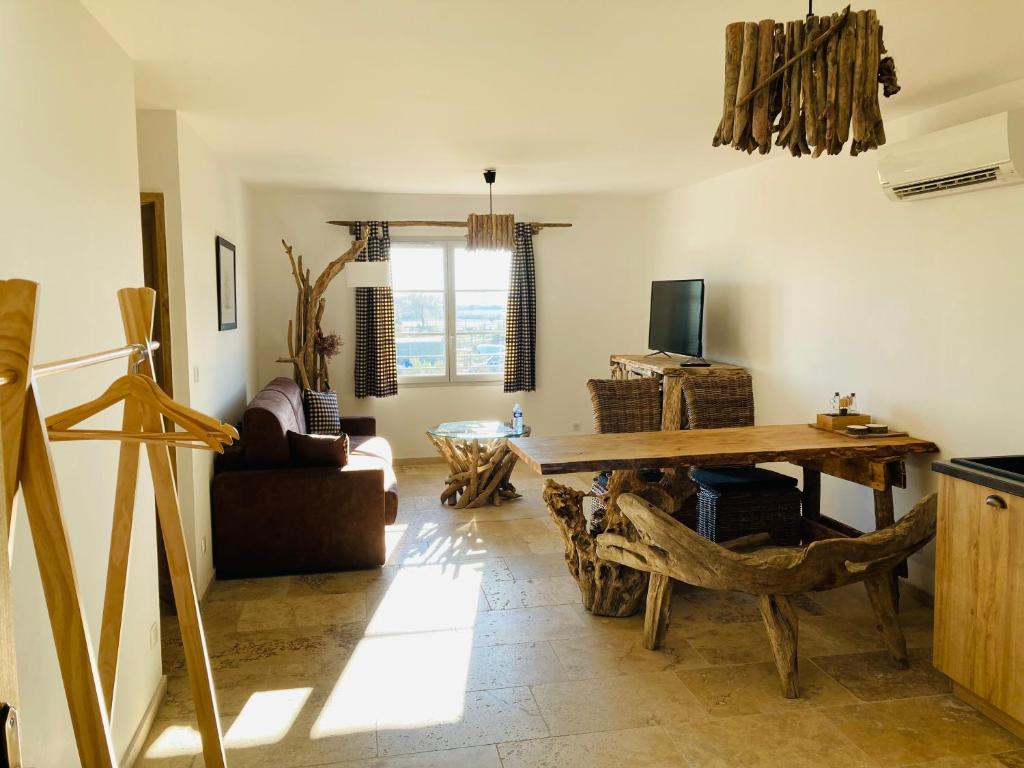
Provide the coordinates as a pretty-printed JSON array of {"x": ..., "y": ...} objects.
[{"x": 876, "y": 461}]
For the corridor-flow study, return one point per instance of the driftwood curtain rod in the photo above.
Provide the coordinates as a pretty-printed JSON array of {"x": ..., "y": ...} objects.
[{"x": 536, "y": 226}]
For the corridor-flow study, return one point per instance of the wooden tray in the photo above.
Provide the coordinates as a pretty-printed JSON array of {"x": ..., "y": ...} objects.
[{"x": 844, "y": 433}]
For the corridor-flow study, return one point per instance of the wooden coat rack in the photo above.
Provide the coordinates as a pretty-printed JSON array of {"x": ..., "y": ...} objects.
[{"x": 89, "y": 684}]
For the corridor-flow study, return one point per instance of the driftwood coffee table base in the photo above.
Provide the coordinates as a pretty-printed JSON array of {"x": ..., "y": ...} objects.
[{"x": 480, "y": 471}]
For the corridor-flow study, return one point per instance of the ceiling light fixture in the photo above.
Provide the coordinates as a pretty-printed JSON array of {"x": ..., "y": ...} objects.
[{"x": 490, "y": 231}]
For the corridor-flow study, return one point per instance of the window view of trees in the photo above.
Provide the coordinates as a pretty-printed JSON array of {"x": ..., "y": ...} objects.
[{"x": 449, "y": 310}]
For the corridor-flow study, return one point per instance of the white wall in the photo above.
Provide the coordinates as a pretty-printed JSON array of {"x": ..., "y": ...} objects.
[
  {"x": 589, "y": 284},
  {"x": 203, "y": 199},
  {"x": 818, "y": 283},
  {"x": 69, "y": 213}
]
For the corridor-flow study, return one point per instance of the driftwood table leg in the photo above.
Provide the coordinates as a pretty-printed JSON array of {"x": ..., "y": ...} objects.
[
  {"x": 811, "y": 502},
  {"x": 885, "y": 516},
  {"x": 610, "y": 588},
  {"x": 886, "y": 618},
  {"x": 781, "y": 621},
  {"x": 659, "y": 604},
  {"x": 607, "y": 588}
]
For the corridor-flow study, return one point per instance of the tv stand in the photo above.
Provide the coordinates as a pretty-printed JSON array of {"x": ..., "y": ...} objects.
[
  {"x": 685, "y": 361},
  {"x": 671, "y": 370}
]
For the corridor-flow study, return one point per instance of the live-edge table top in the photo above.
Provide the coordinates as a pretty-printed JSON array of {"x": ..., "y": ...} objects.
[{"x": 563, "y": 454}]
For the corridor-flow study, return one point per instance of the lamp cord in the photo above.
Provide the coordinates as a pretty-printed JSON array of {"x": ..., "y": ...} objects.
[{"x": 490, "y": 197}]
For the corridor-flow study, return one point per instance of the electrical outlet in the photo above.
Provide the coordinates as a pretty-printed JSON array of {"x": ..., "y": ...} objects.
[
  {"x": 202, "y": 545},
  {"x": 195, "y": 374},
  {"x": 154, "y": 635}
]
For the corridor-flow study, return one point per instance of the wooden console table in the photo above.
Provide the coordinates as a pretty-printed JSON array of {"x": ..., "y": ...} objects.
[
  {"x": 669, "y": 369},
  {"x": 874, "y": 462}
]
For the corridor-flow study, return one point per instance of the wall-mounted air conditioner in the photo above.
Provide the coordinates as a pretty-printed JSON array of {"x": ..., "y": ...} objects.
[{"x": 981, "y": 154}]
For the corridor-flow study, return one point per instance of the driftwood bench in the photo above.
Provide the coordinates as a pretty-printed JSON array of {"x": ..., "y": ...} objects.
[{"x": 668, "y": 550}]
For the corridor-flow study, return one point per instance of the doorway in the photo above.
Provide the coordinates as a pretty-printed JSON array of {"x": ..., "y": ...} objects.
[{"x": 154, "y": 264}]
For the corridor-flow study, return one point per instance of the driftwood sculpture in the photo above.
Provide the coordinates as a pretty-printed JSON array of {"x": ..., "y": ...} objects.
[
  {"x": 608, "y": 588},
  {"x": 813, "y": 82},
  {"x": 669, "y": 550},
  {"x": 306, "y": 349},
  {"x": 480, "y": 471}
]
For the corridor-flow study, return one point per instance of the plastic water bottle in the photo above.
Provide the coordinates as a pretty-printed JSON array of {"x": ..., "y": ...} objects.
[{"x": 517, "y": 418}]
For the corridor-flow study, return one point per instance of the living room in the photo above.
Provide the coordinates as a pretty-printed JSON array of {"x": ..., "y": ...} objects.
[{"x": 426, "y": 594}]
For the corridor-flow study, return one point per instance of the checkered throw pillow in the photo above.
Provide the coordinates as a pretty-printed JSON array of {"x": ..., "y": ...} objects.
[{"x": 322, "y": 415}]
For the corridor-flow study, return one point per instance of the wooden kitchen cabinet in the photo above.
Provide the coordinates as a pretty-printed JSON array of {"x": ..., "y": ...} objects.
[{"x": 979, "y": 592}]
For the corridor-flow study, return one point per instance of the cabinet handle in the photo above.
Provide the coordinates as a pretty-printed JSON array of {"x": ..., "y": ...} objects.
[{"x": 996, "y": 501}]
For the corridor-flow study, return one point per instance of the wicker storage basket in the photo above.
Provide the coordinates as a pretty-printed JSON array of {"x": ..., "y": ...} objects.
[{"x": 729, "y": 510}]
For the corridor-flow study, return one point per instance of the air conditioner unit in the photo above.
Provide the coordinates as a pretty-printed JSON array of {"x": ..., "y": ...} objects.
[{"x": 981, "y": 154}]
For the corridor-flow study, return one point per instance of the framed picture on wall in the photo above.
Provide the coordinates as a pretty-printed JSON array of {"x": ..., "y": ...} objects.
[{"x": 227, "y": 308}]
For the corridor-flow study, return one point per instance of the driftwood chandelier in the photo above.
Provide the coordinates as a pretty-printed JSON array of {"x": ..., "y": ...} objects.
[{"x": 813, "y": 82}]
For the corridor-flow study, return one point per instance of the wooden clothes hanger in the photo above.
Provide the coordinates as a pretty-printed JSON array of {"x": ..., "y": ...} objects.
[{"x": 200, "y": 430}]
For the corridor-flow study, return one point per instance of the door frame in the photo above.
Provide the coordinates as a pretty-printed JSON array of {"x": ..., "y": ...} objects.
[{"x": 163, "y": 300}]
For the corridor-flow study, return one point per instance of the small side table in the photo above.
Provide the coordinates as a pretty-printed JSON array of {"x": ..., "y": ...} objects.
[{"x": 481, "y": 463}]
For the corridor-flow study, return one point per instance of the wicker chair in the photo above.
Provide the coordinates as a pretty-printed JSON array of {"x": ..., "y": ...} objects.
[
  {"x": 625, "y": 405},
  {"x": 632, "y": 405},
  {"x": 737, "y": 501}
]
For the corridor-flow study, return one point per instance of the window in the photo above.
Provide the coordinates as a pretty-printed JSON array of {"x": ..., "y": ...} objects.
[{"x": 449, "y": 311}]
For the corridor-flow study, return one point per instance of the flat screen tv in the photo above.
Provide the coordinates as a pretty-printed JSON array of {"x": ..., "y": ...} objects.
[{"x": 677, "y": 317}]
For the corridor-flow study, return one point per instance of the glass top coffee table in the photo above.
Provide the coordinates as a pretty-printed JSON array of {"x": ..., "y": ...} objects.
[{"x": 480, "y": 461}]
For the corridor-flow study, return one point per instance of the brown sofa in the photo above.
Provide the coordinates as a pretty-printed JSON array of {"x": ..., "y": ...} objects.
[{"x": 271, "y": 517}]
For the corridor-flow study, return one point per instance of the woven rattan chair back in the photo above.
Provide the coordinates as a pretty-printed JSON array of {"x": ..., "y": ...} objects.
[
  {"x": 713, "y": 402},
  {"x": 632, "y": 405}
]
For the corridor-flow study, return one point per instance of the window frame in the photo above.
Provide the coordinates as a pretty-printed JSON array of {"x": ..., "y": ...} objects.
[{"x": 451, "y": 375}]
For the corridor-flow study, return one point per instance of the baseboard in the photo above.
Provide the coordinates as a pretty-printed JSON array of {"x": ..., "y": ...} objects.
[
  {"x": 419, "y": 460},
  {"x": 134, "y": 750},
  {"x": 988, "y": 710},
  {"x": 206, "y": 589}
]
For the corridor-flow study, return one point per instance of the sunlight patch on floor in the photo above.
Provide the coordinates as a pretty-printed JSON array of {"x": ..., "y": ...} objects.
[
  {"x": 175, "y": 741},
  {"x": 410, "y": 669},
  {"x": 429, "y": 597},
  {"x": 393, "y": 534},
  {"x": 430, "y": 545},
  {"x": 266, "y": 717}
]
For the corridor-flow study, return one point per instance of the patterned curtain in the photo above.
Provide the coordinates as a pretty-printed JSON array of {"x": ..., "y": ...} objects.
[
  {"x": 521, "y": 316},
  {"x": 376, "y": 372}
]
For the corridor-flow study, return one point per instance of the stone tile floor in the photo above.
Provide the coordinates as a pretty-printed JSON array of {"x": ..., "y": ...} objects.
[{"x": 470, "y": 649}]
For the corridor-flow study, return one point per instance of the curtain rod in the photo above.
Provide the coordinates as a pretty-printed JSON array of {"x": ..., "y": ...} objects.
[
  {"x": 71, "y": 363},
  {"x": 536, "y": 226}
]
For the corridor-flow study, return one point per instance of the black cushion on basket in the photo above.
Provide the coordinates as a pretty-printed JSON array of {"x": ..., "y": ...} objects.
[
  {"x": 741, "y": 479},
  {"x": 322, "y": 414}
]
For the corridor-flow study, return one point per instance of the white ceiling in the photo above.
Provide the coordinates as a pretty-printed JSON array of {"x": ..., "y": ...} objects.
[{"x": 559, "y": 95}]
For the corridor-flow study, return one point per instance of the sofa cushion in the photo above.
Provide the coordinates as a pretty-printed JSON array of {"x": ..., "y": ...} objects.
[
  {"x": 318, "y": 450},
  {"x": 375, "y": 453},
  {"x": 293, "y": 393},
  {"x": 266, "y": 422},
  {"x": 322, "y": 415}
]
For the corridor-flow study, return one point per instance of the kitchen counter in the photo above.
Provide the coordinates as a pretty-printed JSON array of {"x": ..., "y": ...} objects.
[{"x": 979, "y": 477}]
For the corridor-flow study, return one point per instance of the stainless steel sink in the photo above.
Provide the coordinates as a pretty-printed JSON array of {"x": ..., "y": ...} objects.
[{"x": 1010, "y": 467}]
